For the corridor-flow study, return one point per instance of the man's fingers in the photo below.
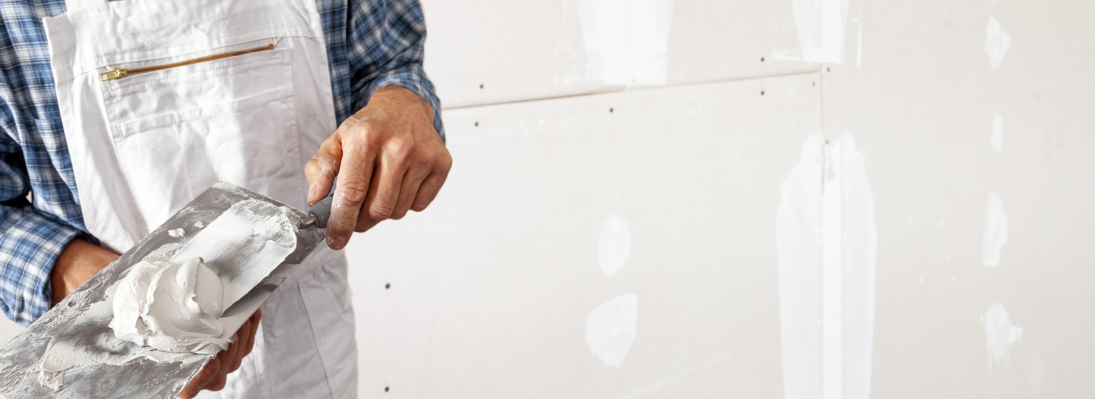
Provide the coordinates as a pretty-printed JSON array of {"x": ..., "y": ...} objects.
[
  {"x": 407, "y": 193},
  {"x": 381, "y": 202},
  {"x": 241, "y": 344},
  {"x": 429, "y": 189},
  {"x": 354, "y": 179},
  {"x": 322, "y": 168},
  {"x": 201, "y": 380},
  {"x": 227, "y": 357},
  {"x": 254, "y": 331}
]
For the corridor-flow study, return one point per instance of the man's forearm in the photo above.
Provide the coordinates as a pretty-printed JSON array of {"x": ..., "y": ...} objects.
[{"x": 77, "y": 263}]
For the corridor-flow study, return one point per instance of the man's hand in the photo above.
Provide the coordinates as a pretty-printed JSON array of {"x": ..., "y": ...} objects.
[
  {"x": 81, "y": 260},
  {"x": 214, "y": 375},
  {"x": 388, "y": 158}
]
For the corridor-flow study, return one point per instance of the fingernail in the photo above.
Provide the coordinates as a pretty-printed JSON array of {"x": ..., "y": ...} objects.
[
  {"x": 336, "y": 242},
  {"x": 311, "y": 193}
]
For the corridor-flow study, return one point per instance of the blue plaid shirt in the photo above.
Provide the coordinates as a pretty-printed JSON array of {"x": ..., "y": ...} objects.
[{"x": 370, "y": 44}]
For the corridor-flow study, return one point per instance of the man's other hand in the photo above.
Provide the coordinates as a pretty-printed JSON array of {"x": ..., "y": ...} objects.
[
  {"x": 214, "y": 375},
  {"x": 389, "y": 159}
]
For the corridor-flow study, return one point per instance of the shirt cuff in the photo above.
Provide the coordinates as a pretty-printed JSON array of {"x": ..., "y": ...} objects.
[
  {"x": 417, "y": 84},
  {"x": 29, "y": 245}
]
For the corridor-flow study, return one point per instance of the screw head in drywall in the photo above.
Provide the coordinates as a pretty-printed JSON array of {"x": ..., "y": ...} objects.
[{"x": 387, "y": 285}]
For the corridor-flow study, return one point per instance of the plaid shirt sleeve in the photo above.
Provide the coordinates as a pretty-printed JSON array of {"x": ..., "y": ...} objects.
[
  {"x": 385, "y": 45},
  {"x": 30, "y": 242}
]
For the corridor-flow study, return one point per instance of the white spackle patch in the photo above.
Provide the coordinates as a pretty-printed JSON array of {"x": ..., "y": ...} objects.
[
  {"x": 997, "y": 132},
  {"x": 798, "y": 251},
  {"x": 614, "y": 244},
  {"x": 177, "y": 232},
  {"x": 996, "y": 231},
  {"x": 997, "y": 43},
  {"x": 860, "y": 243},
  {"x": 199, "y": 224},
  {"x": 999, "y": 333},
  {"x": 626, "y": 41},
  {"x": 611, "y": 329},
  {"x": 820, "y": 25}
]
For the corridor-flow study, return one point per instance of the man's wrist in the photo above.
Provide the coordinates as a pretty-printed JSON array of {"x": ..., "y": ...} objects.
[{"x": 78, "y": 262}]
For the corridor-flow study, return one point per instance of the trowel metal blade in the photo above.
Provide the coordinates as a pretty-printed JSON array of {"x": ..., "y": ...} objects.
[{"x": 66, "y": 323}]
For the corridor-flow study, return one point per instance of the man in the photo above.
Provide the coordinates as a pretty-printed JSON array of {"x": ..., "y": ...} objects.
[{"x": 388, "y": 155}]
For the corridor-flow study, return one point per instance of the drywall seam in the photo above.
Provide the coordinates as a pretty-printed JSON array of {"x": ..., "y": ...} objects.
[
  {"x": 859, "y": 247},
  {"x": 832, "y": 273},
  {"x": 798, "y": 254},
  {"x": 804, "y": 71}
]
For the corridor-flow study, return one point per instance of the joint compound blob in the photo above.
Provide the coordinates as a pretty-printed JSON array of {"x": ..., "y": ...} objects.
[
  {"x": 997, "y": 43},
  {"x": 170, "y": 306},
  {"x": 611, "y": 327},
  {"x": 996, "y": 231},
  {"x": 999, "y": 333},
  {"x": 614, "y": 244}
]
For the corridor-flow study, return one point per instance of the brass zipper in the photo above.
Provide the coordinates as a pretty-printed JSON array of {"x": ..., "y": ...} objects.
[{"x": 119, "y": 73}]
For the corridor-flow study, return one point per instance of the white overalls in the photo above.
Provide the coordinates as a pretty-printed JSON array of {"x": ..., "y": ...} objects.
[{"x": 144, "y": 145}]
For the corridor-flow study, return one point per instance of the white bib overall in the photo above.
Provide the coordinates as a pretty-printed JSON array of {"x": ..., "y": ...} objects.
[{"x": 160, "y": 99}]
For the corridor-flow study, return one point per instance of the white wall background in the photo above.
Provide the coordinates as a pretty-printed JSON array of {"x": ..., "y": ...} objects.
[{"x": 709, "y": 198}]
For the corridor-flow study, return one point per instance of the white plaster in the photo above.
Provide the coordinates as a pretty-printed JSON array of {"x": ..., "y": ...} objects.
[
  {"x": 997, "y": 43},
  {"x": 827, "y": 244},
  {"x": 611, "y": 329},
  {"x": 170, "y": 306},
  {"x": 832, "y": 275},
  {"x": 798, "y": 251},
  {"x": 999, "y": 333},
  {"x": 996, "y": 231},
  {"x": 626, "y": 40},
  {"x": 614, "y": 244},
  {"x": 176, "y": 233},
  {"x": 820, "y": 25},
  {"x": 860, "y": 244},
  {"x": 997, "y": 132}
]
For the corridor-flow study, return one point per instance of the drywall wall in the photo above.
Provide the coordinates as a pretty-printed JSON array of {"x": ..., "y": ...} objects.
[
  {"x": 975, "y": 122},
  {"x": 610, "y": 245}
]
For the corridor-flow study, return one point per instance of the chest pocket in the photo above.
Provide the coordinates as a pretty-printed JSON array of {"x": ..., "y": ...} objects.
[{"x": 178, "y": 126}]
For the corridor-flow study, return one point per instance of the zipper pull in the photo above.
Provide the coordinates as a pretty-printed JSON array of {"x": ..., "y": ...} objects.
[{"x": 116, "y": 73}]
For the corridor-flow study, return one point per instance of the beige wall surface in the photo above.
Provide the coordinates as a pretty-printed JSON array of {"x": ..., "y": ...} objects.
[{"x": 746, "y": 198}]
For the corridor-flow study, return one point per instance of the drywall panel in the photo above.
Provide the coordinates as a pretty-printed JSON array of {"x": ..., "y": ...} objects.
[
  {"x": 974, "y": 120},
  {"x": 621, "y": 244},
  {"x": 495, "y": 51}
]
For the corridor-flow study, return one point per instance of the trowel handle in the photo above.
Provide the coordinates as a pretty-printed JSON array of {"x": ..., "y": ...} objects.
[{"x": 321, "y": 211}]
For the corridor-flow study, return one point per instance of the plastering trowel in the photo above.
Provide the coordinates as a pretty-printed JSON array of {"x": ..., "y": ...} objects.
[{"x": 76, "y": 332}]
